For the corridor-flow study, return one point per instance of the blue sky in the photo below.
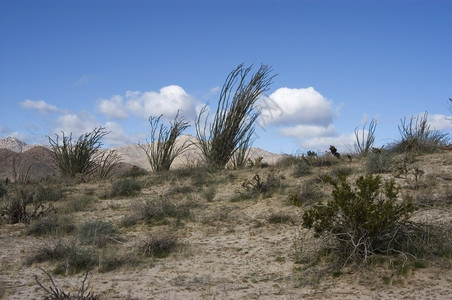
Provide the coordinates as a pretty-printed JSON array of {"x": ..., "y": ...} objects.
[{"x": 75, "y": 65}]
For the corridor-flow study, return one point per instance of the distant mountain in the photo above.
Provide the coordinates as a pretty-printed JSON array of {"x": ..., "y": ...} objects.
[
  {"x": 35, "y": 163},
  {"x": 13, "y": 144},
  {"x": 135, "y": 155},
  {"x": 14, "y": 153}
]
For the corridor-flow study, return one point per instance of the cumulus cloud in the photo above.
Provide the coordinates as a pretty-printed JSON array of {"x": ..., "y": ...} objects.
[
  {"x": 343, "y": 142},
  {"x": 309, "y": 131},
  {"x": 77, "y": 124},
  {"x": 302, "y": 113},
  {"x": 40, "y": 106},
  {"x": 167, "y": 101},
  {"x": 118, "y": 137},
  {"x": 439, "y": 121},
  {"x": 287, "y": 106},
  {"x": 113, "y": 108}
]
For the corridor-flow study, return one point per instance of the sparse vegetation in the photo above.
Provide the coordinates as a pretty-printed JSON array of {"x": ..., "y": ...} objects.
[
  {"x": 53, "y": 292},
  {"x": 159, "y": 246},
  {"x": 381, "y": 161},
  {"x": 417, "y": 136},
  {"x": 97, "y": 233},
  {"x": 125, "y": 187},
  {"x": 354, "y": 224},
  {"x": 52, "y": 224}
]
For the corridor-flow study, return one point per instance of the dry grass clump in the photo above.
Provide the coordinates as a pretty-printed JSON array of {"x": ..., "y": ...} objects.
[
  {"x": 156, "y": 211},
  {"x": 159, "y": 246}
]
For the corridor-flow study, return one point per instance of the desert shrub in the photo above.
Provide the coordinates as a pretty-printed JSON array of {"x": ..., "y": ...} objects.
[
  {"x": 233, "y": 124},
  {"x": 179, "y": 189},
  {"x": 209, "y": 193},
  {"x": 47, "y": 252},
  {"x": 57, "y": 293},
  {"x": 70, "y": 257},
  {"x": 84, "y": 157},
  {"x": 78, "y": 203},
  {"x": 159, "y": 246},
  {"x": 302, "y": 168},
  {"x": 77, "y": 259},
  {"x": 379, "y": 162},
  {"x": 417, "y": 136},
  {"x": 51, "y": 193},
  {"x": 310, "y": 192},
  {"x": 326, "y": 160},
  {"x": 280, "y": 218},
  {"x": 340, "y": 171},
  {"x": 365, "y": 139},
  {"x": 162, "y": 149},
  {"x": 125, "y": 187},
  {"x": 22, "y": 206},
  {"x": 53, "y": 224},
  {"x": 263, "y": 187},
  {"x": 364, "y": 221},
  {"x": 135, "y": 172},
  {"x": 97, "y": 232},
  {"x": 156, "y": 211},
  {"x": 111, "y": 259}
]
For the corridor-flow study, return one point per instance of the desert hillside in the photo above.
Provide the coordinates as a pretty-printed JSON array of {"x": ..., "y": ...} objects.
[{"x": 191, "y": 233}]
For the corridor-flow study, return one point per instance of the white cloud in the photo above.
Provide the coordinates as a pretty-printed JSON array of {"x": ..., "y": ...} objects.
[
  {"x": 288, "y": 106},
  {"x": 439, "y": 122},
  {"x": 167, "y": 101},
  {"x": 344, "y": 143},
  {"x": 117, "y": 136},
  {"x": 77, "y": 124},
  {"x": 40, "y": 106},
  {"x": 114, "y": 108},
  {"x": 302, "y": 113},
  {"x": 85, "y": 79},
  {"x": 309, "y": 131}
]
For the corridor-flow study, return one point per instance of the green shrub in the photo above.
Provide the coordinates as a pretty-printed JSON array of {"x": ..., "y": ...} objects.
[
  {"x": 126, "y": 187},
  {"x": 52, "y": 224},
  {"x": 364, "y": 221},
  {"x": 49, "y": 193},
  {"x": 97, "y": 232},
  {"x": 302, "y": 168},
  {"x": 379, "y": 162}
]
